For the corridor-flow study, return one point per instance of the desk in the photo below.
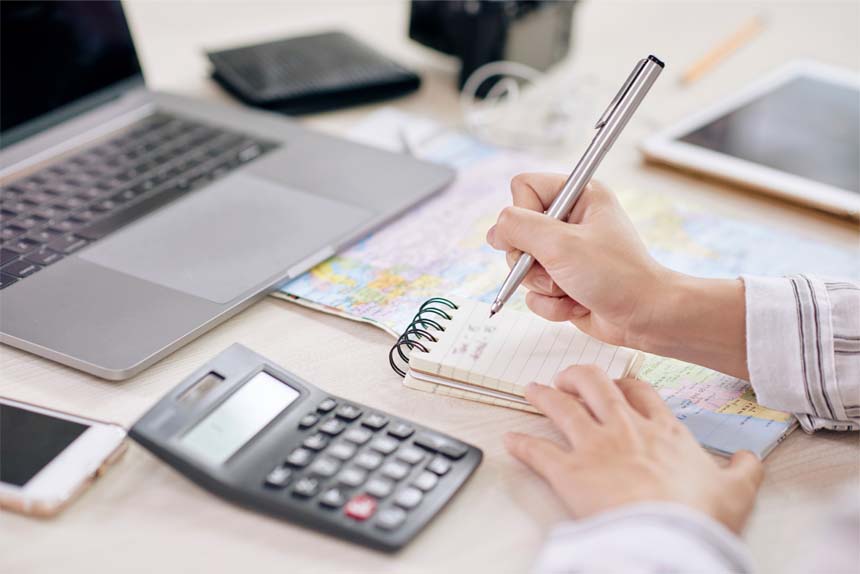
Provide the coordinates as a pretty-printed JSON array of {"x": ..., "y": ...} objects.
[{"x": 143, "y": 517}]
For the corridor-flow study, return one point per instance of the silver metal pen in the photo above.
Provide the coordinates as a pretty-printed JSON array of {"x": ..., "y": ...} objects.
[{"x": 608, "y": 127}]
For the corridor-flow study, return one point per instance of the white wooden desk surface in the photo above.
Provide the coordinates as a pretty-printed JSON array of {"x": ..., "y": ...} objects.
[{"x": 143, "y": 517}]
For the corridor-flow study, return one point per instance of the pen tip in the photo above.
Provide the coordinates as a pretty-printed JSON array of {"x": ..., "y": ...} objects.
[{"x": 494, "y": 308}]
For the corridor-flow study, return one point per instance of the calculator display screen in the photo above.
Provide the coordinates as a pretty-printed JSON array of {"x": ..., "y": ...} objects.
[{"x": 235, "y": 421}]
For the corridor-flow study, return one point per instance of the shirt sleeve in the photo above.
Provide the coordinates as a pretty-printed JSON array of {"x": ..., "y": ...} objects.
[
  {"x": 803, "y": 348},
  {"x": 648, "y": 538}
]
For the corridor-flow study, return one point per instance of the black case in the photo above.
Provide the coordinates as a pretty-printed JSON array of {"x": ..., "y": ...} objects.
[{"x": 310, "y": 73}]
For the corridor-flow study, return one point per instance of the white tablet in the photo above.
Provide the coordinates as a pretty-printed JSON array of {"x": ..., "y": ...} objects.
[{"x": 795, "y": 133}]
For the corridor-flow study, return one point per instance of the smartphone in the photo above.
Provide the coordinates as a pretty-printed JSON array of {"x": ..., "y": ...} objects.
[{"x": 48, "y": 457}]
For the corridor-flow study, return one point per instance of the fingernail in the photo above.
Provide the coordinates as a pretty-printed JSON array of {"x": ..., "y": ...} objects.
[
  {"x": 490, "y": 233},
  {"x": 544, "y": 283}
]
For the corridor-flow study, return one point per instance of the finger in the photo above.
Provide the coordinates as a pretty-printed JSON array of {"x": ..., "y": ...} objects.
[
  {"x": 746, "y": 467},
  {"x": 644, "y": 399},
  {"x": 542, "y": 456},
  {"x": 595, "y": 197},
  {"x": 547, "y": 239},
  {"x": 536, "y": 191},
  {"x": 564, "y": 410},
  {"x": 601, "y": 395},
  {"x": 537, "y": 279},
  {"x": 554, "y": 308}
]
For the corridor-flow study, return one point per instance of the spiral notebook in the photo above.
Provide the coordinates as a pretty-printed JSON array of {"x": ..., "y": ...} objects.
[{"x": 454, "y": 348}]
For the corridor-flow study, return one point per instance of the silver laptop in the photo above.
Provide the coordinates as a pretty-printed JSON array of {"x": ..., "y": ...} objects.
[{"x": 134, "y": 221}]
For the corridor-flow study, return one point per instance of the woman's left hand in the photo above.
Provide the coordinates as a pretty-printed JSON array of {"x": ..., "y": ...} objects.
[{"x": 624, "y": 447}]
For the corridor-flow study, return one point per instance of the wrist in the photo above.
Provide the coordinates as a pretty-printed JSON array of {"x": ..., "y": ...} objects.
[
  {"x": 697, "y": 320},
  {"x": 654, "y": 326}
]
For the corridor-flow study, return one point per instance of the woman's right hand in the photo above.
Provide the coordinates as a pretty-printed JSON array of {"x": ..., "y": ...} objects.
[{"x": 592, "y": 270}]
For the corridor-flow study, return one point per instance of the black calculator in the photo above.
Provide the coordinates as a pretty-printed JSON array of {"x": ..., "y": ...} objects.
[{"x": 257, "y": 435}]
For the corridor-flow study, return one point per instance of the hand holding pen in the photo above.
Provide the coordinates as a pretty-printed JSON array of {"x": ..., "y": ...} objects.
[{"x": 609, "y": 127}]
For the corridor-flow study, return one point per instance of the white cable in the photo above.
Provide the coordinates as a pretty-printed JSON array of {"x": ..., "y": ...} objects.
[{"x": 512, "y": 101}]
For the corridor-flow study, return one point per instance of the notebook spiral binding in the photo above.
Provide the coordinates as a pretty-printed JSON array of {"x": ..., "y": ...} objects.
[{"x": 431, "y": 315}]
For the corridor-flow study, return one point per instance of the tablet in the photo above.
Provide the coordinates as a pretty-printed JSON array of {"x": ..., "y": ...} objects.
[{"x": 794, "y": 133}]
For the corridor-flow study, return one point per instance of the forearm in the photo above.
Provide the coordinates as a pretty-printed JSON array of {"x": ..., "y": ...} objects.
[
  {"x": 701, "y": 321},
  {"x": 796, "y": 339}
]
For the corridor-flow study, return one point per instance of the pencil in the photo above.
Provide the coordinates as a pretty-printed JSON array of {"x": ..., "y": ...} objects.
[{"x": 742, "y": 35}]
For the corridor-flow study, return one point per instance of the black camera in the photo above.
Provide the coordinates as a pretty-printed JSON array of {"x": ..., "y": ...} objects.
[{"x": 532, "y": 32}]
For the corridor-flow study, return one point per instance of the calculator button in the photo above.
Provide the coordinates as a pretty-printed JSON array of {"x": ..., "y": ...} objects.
[
  {"x": 324, "y": 467},
  {"x": 368, "y": 460},
  {"x": 306, "y": 487},
  {"x": 279, "y": 477},
  {"x": 333, "y": 498},
  {"x": 360, "y": 507},
  {"x": 438, "y": 443},
  {"x": 401, "y": 430},
  {"x": 352, "y": 477},
  {"x": 300, "y": 457},
  {"x": 375, "y": 421},
  {"x": 439, "y": 465},
  {"x": 379, "y": 487},
  {"x": 384, "y": 444},
  {"x": 395, "y": 470},
  {"x": 348, "y": 412},
  {"x": 408, "y": 497},
  {"x": 332, "y": 427},
  {"x": 390, "y": 518},
  {"x": 308, "y": 421},
  {"x": 327, "y": 405},
  {"x": 358, "y": 435},
  {"x": 342, "y": 450},
  {"x": 425, "y": 481},
  {"x": 410, "y": 454},
  {"x": 316, "y": 442}
]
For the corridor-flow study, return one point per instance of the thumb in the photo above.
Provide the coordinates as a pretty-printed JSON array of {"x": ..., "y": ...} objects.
[{"x": 744, "y": 466}]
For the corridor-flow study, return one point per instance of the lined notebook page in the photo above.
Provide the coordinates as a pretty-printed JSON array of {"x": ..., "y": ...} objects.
[{"x": 512, "y": 349}]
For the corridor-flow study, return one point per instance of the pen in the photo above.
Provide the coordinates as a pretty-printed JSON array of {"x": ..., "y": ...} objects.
[{"x": 609, "y": 126}]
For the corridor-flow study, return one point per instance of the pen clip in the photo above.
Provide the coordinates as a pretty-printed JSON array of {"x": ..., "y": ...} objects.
[{"x": 620, "y": 95}]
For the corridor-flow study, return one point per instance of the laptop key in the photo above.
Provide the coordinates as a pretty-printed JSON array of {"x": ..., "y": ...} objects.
[
  {"x": 11, "y": 232},
  {"x": 103, "y": 226},
  {"x": 67, "y": 244},
  {"x": 29, "y": 221},
  {"x": 43, "y": 235},
  {"x": 64, "y": 226},
  {"x": 6, "y": 256},
  {"x": 6, "y": 280},
  {"x": 46, "y": 212},
  {"x": 21, "y": 245},
  {"x": 104, "y": 206},
  {"x": 21, "y": 268},
  {"x": 43, "y": 256}
]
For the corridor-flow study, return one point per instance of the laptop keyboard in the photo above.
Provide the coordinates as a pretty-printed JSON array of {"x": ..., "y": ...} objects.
[{"x": 62, "y": 208}]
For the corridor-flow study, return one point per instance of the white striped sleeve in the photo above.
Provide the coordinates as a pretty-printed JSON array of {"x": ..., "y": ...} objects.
[
  {"x": 803, "y": 348},
  {"x": 647, "y": 538}
]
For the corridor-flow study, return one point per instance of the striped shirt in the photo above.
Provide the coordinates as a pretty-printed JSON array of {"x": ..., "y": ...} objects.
[
  {"x": 803, "y": 354},
  {"x": 803, "y": 348}
]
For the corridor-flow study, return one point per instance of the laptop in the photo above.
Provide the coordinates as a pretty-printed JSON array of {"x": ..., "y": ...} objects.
[{"x": 134, "y": 221}]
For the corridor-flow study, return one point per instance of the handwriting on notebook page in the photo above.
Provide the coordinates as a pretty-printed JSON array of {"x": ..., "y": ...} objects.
[{"x": 473, "y": 341}]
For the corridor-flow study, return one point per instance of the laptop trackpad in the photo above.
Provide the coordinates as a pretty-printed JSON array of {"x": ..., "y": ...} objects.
[{"x": 227, "y": 239}]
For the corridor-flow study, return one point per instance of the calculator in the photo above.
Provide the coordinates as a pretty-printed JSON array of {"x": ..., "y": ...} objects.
[{"x": 257, "y": 435}]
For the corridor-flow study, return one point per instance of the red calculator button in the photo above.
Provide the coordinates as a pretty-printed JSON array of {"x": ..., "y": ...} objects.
[{"x": 360, "y": 507}]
